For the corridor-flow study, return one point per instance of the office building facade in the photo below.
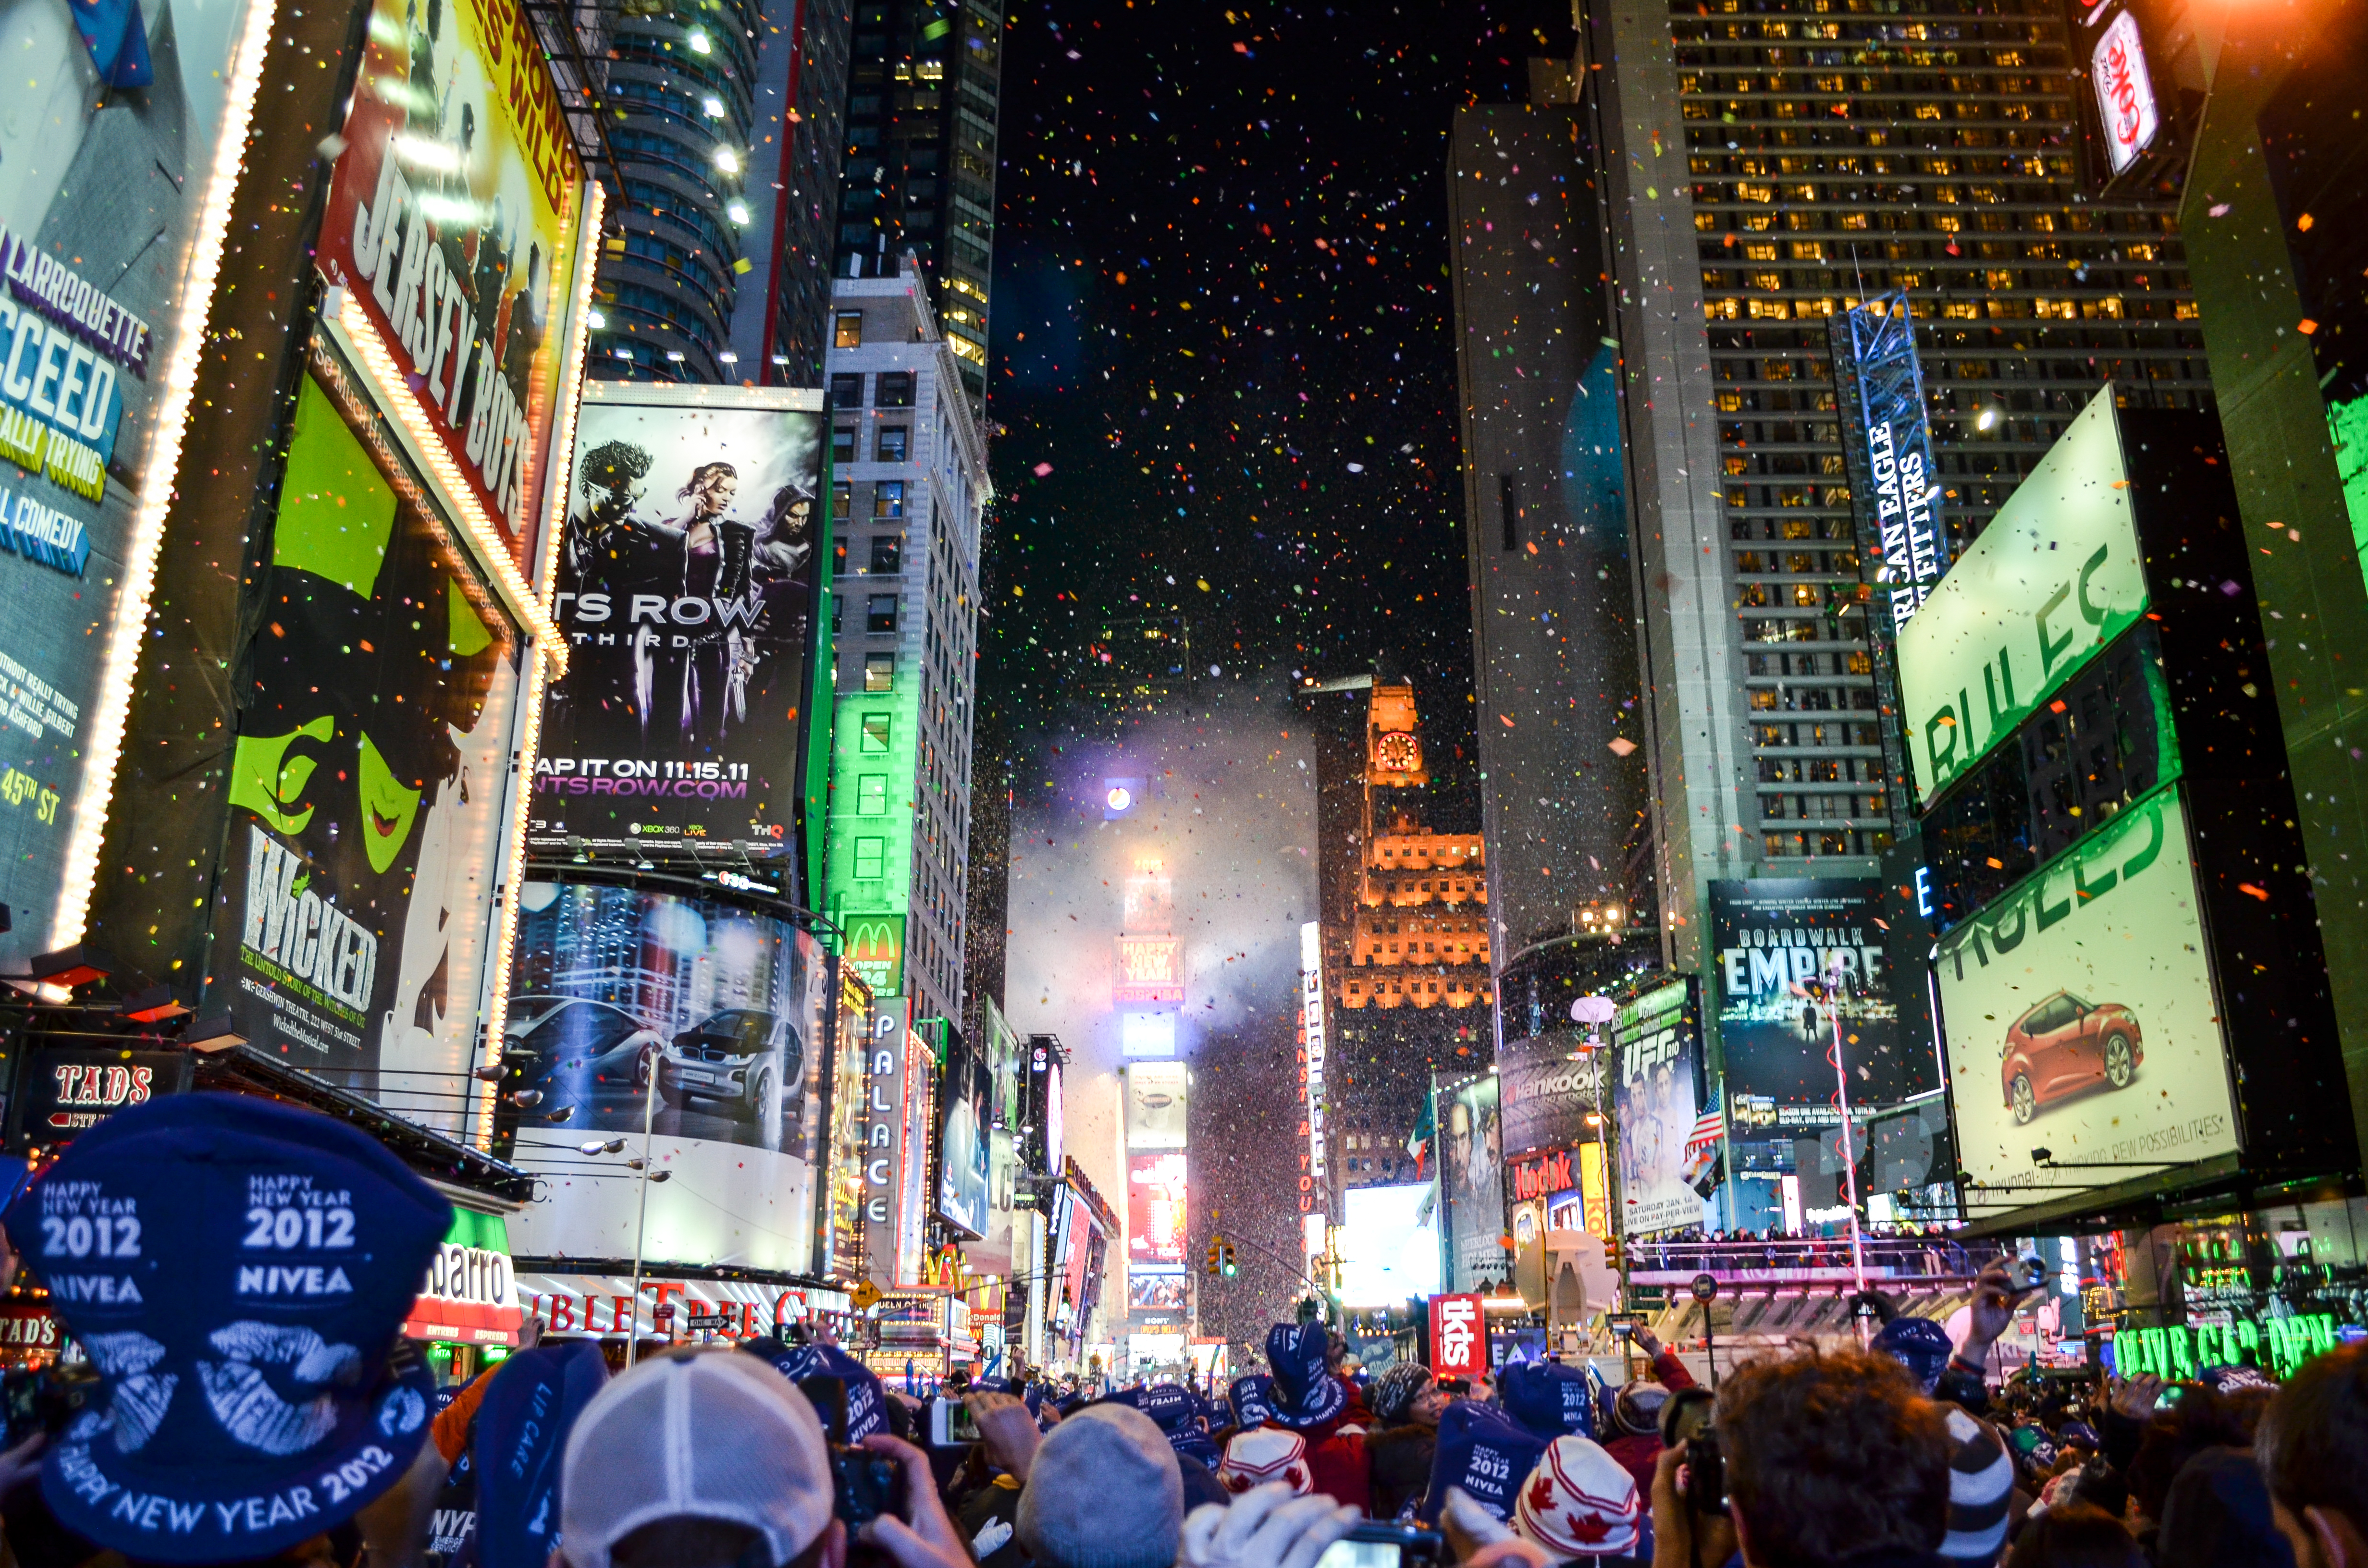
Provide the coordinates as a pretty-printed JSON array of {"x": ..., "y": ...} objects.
[
  {"x": 727, "y": 154},
  {"x": 923, "y": 96},
  {"x": 1768, "y": 163},
  {"x": 909, "y": 490}
]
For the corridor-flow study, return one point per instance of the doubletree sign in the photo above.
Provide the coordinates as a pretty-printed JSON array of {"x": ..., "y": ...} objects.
[{"x": 2053, "y": 578}]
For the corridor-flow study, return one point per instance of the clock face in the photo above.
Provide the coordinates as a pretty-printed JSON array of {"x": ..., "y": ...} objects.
[{"x": 1398, "y": 752}]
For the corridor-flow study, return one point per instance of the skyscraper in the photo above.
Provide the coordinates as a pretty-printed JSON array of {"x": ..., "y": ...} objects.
[
  {"x": 1553, "y": 640},
  {"x": 924, "y": 85},
  {"x": 909, "y": 486},
  {"x": 1404, "y": 933},
  {"x": 727, "y": 150},
  {"x": 1767, "y": 162}
]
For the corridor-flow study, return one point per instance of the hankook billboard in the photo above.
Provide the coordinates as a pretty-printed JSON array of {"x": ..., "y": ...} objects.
[{"x": 2081, "y": 1017}]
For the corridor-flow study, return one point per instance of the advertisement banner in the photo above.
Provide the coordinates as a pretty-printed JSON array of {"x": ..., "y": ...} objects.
[
  {"x": 966, "y": 1096},
  {"x": 1544, "y": 1095},
  {"x": 704, "y": 1016},
  {"x": 1155, "y": 1208},
  {"x": 2055, "y": 577},
  {"x": 882, "y": 1137},
  {"x": 62, "y": 1092},
  {"x": 1313, "y": 1042},
  {"x": 875, "y": 950},
  {"x": 1388, "y": 1244},
  {"x": 367, "y": 835},
  {"x": 2080, "y": 1015},
  {"x": 685, "y": 593},
  {"x": 452, "y": 220},
  {"x": 1887, "y": 443},
  {"x": 1459, "y": 1337},
  {"x": 1006, "y": 1071},
  {"x": 101, "y": 183},
  {"x": 1156, "y": 1103},
  {"x": 1656, "y": 1042},
  {"x": 850, "y": 1125},
  {"x": 1472, "y": 1179},
  {"x": 2125, "y": 101},
  {"x": 1150, "y": 969},
  {"x": 1774, "y": 941}
]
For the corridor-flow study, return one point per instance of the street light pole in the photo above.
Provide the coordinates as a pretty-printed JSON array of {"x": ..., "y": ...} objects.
[
  {"x": 641, "y": 1220},
  {"x": 1850, "y": 1156}
]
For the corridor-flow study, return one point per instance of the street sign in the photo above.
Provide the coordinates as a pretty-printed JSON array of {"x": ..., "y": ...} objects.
[
  {"x": 699, "y": 1322},
  {"x": 1705, "y": 1287}
]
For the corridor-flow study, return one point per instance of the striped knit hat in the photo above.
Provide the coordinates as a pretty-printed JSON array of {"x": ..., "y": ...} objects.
[
  {"x": 1265, "y": 1453},
  {"x": 1579, "y": 1502},
  {"x": 1981, "y": 1481}
]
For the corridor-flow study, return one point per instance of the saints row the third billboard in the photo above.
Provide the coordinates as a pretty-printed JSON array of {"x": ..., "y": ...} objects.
[
  {"x": 686, "y": 591},
  {"x": 1656, "y": 1055},
  {"x": 2080, "y": 1013}
]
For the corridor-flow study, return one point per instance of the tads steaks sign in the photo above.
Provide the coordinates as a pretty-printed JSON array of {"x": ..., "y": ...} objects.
[{"x": 68, "y": 1092}]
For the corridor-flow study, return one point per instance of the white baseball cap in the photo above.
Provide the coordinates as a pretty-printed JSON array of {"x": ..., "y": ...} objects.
[{"x": 644, "y": 1449}]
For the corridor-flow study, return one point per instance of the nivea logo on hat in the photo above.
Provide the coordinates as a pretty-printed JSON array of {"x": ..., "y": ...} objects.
[
  {"x": 1483, "y": 1452},
  {"x": 237, "y": 1271},
  {"x": 867, "y": 1407},
  {"x": 1253, "y": 1400}
]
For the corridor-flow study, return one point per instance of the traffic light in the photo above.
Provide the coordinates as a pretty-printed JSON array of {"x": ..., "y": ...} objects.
[
  {"x": 1217, "y": 1260},
  {"x": 1226, "y": 1265},
  {"x": 1611, "y": 1254}
]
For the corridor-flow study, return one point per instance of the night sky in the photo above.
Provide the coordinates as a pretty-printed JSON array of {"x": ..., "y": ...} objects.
[{"x": 1224, "y": 377}]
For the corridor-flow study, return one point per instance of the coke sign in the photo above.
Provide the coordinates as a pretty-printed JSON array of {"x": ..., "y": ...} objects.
[
  {"x": 2125, "y": 102},
  {"x": 1459, "y": 1337}
]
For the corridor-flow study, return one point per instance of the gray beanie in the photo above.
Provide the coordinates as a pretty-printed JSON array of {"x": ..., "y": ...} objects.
[{"x": 1104, "y": 1492}]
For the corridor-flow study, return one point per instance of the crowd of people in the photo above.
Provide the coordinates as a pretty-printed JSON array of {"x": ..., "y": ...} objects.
[{"x": 238, "y": 1272}]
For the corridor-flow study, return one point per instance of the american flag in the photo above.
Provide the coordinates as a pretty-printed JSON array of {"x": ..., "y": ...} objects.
[{"x": 1711, "y": 1126}]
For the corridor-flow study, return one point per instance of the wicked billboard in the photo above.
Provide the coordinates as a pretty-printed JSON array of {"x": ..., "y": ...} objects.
[
  {"x": 685, "y": 593},
  {"x": 727, "y": 1005},
  {"x": 366, "y": 834}
]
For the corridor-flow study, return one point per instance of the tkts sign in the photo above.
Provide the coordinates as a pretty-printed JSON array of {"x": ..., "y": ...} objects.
[
  {"x": 1544, "y": 1175},
  {"x": 1459, "y": 1337}
]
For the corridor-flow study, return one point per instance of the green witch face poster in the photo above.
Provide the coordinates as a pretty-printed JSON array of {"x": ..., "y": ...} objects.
[{"x": 376, "y": 696}]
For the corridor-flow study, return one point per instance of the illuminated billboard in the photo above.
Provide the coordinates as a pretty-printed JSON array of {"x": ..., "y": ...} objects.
[
  {"x": 1157, "y": 1099},
  {"x": 1154, "y": 1210},
  {"x": 1388, "y": 1244},
  {"x": 2126, "y": 100},
  {"x": 1147, "y": 1034},
  {"x": 1472, "y": 1183},
  {"x": 1312, "y": 1050},
  {"x": 1150, "y": 970},
  {"x": 2055, "y": 577},
  {"x": 1772, "y": 941},
  {"x": 2081, "y": 1017},
  {"x": 702, "y": 1018},
  {"x": 685, "y": 593},
  {"x": 1656, "y": 1049}
]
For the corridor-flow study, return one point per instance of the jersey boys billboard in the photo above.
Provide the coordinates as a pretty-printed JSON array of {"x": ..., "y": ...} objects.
[
  {"x": 685, "y": 592},
  {"x": 452, "y": 222},
  {"x": 366, "y": 823},
  {"x": 2080, "y": 1013}
]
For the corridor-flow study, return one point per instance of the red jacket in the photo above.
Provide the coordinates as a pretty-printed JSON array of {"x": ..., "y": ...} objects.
[
  {"x": 1639, "y": 1452},
  {"x": 1337, "y": 1465}
]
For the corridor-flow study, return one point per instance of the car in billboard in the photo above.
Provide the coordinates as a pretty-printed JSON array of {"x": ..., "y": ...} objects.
[
  {"x": 730, "y": 1057},
  {"x": 2063, "y": 1046},
  {"x": 597, "y": 1042}
]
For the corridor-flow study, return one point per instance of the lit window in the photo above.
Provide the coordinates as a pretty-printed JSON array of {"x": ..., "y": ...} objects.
[
  {"x": 872, "y": 795},
  {"x": 874, "y": 738},
  {"x": 850, "y": 330},
  {"x": 870, "y": 860},
  {"x": 888, "y": 499},
  {"x": 879, "y": 672}
]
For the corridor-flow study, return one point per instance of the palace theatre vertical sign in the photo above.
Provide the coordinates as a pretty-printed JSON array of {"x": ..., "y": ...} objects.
[{"x": 1312, "y": 1175}]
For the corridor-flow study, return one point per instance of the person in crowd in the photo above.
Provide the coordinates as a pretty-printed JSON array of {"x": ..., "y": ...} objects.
[
  {"x": 1104, "y": 1491},
  {"x": 2313, "y": 1452},
  {"x": 1405, "y": 1401},
  {"x": 989, "y": 1515},
  {"x": 2198, "y": 1420},
  {"x": 631, "y": 1495},
  {"x": 1834, "y": 1459},
  {"x": 1981, "y": 1469},
  {"x": 2074, "y": 1535},
  {"x": 1309, "y": 1399},
  {"x": 1632, "y": 1432},
  {"x": 2218, "y": 1515},
  {"x": 1267, "y": 1527}
]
